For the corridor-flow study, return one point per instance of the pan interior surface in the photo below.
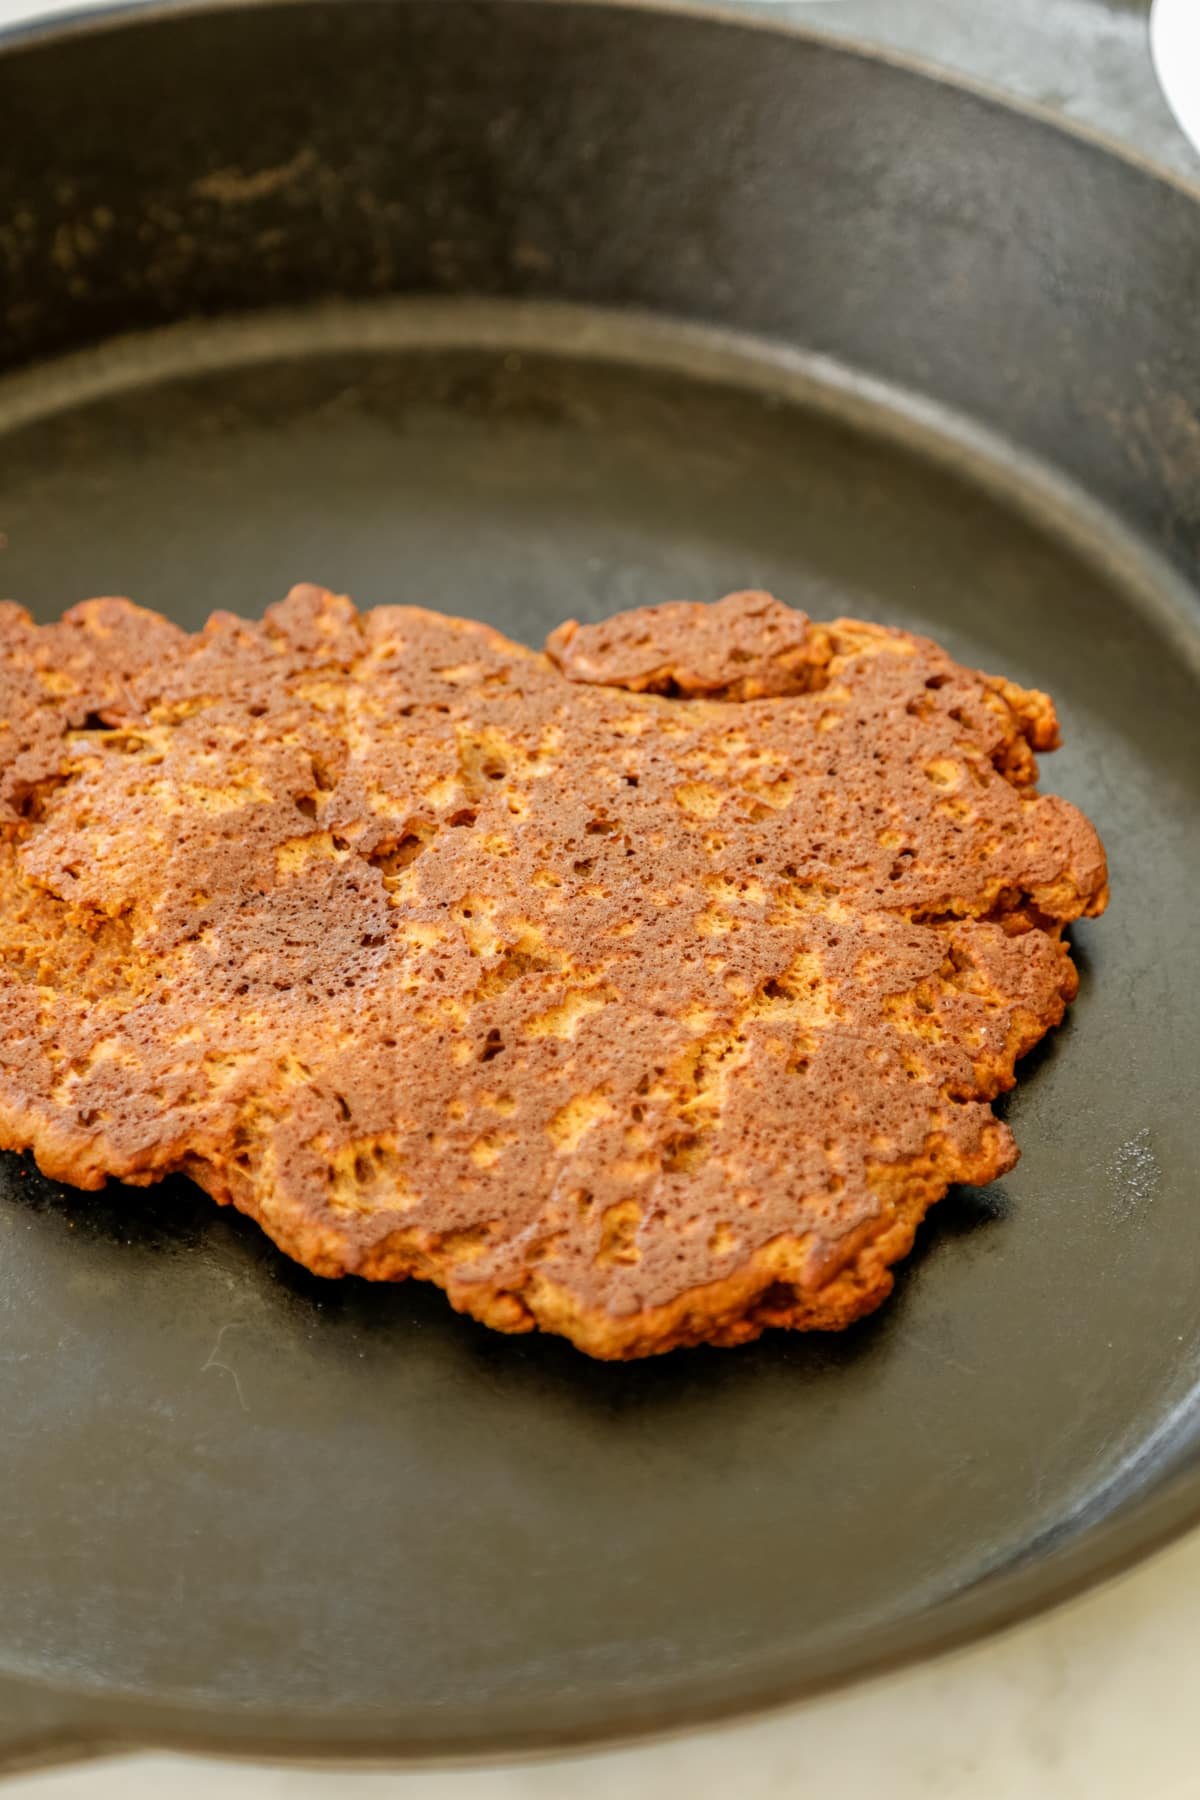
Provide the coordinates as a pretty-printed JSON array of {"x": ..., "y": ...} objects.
[{"x": 276, "y": 1496}]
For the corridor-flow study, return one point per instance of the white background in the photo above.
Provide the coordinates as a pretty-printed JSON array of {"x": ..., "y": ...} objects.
[{"x": 1175, "y": 36}]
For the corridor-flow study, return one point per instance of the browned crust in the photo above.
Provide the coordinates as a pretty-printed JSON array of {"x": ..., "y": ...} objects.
[{"x": 924, "y": 949}]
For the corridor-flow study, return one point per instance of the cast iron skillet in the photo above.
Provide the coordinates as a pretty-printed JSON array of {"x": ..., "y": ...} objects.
[{"x": 526, "y": 310}]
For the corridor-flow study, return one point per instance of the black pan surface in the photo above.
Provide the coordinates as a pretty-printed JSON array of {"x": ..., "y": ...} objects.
[{"x": 535, "y": 310}]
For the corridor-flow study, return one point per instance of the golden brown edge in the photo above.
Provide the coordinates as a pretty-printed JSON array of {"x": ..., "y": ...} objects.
[{"x": 776, "y": 1286}]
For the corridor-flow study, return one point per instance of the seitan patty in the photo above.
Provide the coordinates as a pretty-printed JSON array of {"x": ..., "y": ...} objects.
[{"x": 648, "y": 990}]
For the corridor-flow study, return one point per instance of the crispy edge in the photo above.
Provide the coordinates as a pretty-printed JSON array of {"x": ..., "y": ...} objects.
[{"x": 780, "y": 1284}]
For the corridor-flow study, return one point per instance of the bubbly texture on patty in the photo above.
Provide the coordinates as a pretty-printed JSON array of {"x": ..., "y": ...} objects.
[{"x": 647, "y": 990}]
